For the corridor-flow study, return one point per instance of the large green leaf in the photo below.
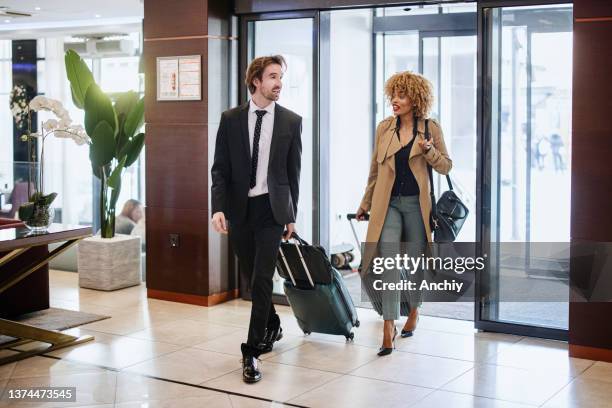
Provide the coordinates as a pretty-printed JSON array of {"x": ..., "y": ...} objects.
[
  {"x": 46, "y": 200},
  {"x": 134, "y": 148},
  {"x": 125, "y": 101},
  {"x": 135, "y": 119},
  {"x": 115, "y": 178},
  {"x": 122, "y": 139},
  {"x": 98, "y": 108},
  {"x": 79, "y": 75},
  {"x": 102, "y": 148}
]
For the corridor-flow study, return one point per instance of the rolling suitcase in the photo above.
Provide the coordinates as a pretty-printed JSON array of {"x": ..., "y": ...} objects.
[{"x": 316, "y": 292}]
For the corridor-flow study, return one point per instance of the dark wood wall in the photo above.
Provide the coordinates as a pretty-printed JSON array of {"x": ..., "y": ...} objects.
[
  {"x": 177, "y": 156},
  {"x": 590, "y": 328}
]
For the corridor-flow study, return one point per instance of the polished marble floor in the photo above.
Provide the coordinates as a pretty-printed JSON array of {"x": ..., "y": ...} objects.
[{"x": 154, "y": 353}]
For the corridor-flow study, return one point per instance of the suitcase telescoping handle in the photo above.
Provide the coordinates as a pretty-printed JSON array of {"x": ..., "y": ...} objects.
[
  {"x": 351, "y": 217},
  {"x": 287, "y": 265},
  {"x": 296, "y": 239}
]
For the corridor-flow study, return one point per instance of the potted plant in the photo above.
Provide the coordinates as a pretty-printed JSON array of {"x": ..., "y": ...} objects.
[
  {"x": 107, "y": 261},
  {"x": 37, "y": 214}
]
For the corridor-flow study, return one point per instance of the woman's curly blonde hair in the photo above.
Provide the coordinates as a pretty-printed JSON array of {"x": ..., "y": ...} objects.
[{"x": 416, "y": 87}]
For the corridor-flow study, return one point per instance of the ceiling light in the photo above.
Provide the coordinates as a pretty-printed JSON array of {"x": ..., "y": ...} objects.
[
  {"x": 7, "y": 21},
  {"x": 37, "y": 8},
  {"x": 97, "y": 16}
]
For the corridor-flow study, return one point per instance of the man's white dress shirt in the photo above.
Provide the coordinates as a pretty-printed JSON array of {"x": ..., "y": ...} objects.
[{"x": 265, "y": 139}]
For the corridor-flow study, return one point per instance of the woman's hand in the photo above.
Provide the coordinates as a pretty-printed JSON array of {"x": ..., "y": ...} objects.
[
  {"x": 424, "y": 144},
  {"x": 360, "y": 215}
]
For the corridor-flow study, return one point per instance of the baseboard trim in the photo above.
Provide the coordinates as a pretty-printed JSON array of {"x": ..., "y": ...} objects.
[
  {"x": 210, "y": 300},
  {"x": 590, "y": 353}
]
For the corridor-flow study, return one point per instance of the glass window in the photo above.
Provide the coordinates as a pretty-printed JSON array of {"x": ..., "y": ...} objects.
[
  {"x": 119, "y": 74},
  {"x": 67, "y": 166}
]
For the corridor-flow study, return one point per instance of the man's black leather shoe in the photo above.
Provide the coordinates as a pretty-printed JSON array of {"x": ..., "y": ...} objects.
[
  {"x": 271, "y": 336},
  {"x": 250, "y": 371},
  {"x": 274, "y": 332}
]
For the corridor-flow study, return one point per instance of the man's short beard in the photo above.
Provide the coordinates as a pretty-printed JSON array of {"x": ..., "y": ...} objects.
[{"x": 271, "y": 96}]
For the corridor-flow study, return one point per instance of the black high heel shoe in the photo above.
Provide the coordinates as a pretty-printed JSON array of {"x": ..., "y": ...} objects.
[
  {"x": 385, "y": 351},
  {"x": 406, "y": 333},
  {"x": 409, "y": 333}
]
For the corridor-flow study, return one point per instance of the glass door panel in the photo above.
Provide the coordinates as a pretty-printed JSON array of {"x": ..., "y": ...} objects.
[
  {"x": 442, "y": 47},
  {"x": 296, "y": 46},
  {"x": 401, "y": 53},
  {"x": 294, "y": 39},
  {"x": 449, "y": 62},
  {"x": 526, "y": 167}
]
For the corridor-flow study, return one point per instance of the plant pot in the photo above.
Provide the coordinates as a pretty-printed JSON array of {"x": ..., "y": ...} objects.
[
  {"x": 109, "y": 263},
  {"x": 37, "y": 214},
  {"x": 41, "y": 218}
]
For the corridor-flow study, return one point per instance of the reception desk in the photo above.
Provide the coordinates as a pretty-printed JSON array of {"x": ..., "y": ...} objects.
[{"x": 24, "y": 284}]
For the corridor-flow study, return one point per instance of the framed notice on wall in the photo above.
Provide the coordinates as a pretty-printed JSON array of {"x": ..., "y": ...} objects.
[{"x": 179, "y": 78}]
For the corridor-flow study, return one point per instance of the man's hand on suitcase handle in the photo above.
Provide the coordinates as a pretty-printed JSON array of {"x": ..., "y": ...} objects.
[
  {"x": 289, "y": 230},
  {"x": 219, "y": 223}
]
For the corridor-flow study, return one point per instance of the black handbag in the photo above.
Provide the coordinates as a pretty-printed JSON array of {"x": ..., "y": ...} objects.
[{"x": 449, "y": 213}]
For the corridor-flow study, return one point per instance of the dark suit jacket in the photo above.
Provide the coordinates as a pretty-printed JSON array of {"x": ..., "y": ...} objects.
[{"x": 231, "y": 169}]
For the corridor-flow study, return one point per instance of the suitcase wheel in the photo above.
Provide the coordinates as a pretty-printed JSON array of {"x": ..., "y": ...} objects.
[
  {"x": 307, "y": 333},
  {"x": 350, "y": 337},
  {"x": 357, "y": 323}
]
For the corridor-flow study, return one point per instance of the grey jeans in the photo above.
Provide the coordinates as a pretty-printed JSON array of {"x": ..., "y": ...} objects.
[{"x": 403, "y": 224}]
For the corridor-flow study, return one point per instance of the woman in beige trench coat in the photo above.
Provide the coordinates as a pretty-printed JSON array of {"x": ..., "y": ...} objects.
[{"x": 397, "y": 192}]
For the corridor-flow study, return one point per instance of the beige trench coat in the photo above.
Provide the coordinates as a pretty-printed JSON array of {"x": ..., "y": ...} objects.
[{"x": 382, "y": 176}]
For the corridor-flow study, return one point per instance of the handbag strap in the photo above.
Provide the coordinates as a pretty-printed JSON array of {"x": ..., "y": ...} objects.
[
  {"x": 429, "y": 170},
  {"x": 432, "y": 194}
]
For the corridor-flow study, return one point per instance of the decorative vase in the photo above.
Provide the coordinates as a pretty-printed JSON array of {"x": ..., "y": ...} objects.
[
  {"x": 41, "y": 218},
  {"x": 109, "y": 263}
]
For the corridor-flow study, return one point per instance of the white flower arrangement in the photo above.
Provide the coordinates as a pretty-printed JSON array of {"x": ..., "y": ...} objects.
[{"x": 61, "y": 127}]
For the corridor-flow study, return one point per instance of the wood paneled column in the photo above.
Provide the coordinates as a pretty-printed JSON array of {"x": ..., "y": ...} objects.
[
  {"x": 590, "y": 330},
  {"x": 179, "y": 147}
]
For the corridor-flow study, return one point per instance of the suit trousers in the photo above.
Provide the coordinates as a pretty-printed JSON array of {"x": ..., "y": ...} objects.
[{"x": 256, "y": 242}]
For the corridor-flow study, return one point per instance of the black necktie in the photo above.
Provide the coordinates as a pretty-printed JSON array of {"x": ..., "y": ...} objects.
[{"x": 260, "y": 115}]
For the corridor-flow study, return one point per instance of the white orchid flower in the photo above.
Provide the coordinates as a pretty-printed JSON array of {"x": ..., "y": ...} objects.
[
  {"x": 38, "y": 102},
  {"x": 65, "y": 122},
  {"x": 50, "y": 125},
  {"x": 81, "y": 136}
]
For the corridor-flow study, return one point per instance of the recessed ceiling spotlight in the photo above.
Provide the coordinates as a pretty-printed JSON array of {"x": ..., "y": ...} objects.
[
  {"x": 37, "y": 8},
  {"x": 7, "y": 21},
  {"x": 97, "y": 16}
]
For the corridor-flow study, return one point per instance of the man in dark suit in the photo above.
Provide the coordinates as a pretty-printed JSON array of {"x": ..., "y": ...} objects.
[{"x": 255, "y": 188}]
